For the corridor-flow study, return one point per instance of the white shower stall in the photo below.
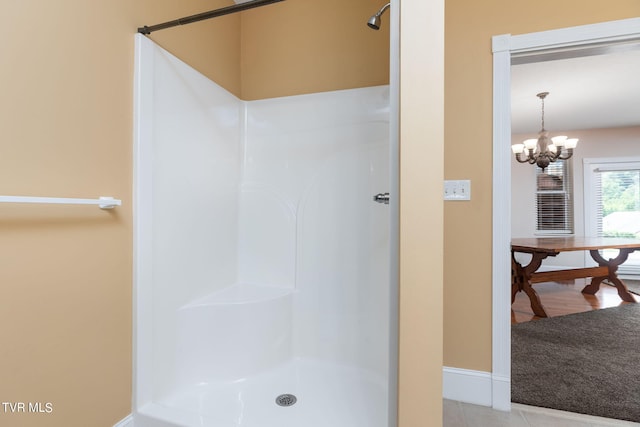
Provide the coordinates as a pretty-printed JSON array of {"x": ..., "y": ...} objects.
[{"x": 262, "y": 262}]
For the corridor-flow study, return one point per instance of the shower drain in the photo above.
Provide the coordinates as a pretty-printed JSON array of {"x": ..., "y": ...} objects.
[{"x": 286, "y": 400}]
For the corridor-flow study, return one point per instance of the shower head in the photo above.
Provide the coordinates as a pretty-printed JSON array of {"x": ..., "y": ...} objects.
[{"x": 374, "y": 21}]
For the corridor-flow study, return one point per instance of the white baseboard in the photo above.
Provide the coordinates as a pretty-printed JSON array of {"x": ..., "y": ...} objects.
[
  {"x": 501, "y": 393},
  {"x": 125, "y": 422},
  {"x": 464, "y": 385}
]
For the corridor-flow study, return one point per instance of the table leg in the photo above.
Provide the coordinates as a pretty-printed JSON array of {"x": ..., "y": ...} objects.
[
  {"x": 612, "y": 265},
  {"x": 520, "y": 281}
]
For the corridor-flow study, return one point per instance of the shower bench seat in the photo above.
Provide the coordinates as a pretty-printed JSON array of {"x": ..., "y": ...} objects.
[
  {"x": 234, "y": 333},
  {"x": 240, "y": 293}
]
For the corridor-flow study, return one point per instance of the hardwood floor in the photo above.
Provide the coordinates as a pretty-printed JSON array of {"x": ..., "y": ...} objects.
[{"x": 565, "y": 298}]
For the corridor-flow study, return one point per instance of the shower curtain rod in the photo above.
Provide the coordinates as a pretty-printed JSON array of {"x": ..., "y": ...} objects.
[{"x": 207, "y": 15}]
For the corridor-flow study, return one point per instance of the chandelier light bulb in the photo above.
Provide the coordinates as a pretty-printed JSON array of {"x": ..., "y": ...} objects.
[
  {"x": 571, "y": 143},
  {"x": 559, "y": 140}
]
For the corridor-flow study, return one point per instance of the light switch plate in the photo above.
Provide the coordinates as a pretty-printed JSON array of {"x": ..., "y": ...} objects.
[{"x": 457, "y": 189}]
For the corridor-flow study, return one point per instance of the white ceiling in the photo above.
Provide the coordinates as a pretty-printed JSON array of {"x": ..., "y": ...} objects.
[{"x": 600, "y": 90}]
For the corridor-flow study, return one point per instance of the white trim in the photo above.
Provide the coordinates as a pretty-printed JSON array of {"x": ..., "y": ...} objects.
[
  {"x": 501, "y": 244},
  {"x": 142, "y": 205},
  {"x": 501, "y": 392},
  {"x": 394, "y": 206},
  {"x": 601, "y": 160},
  {"x": 588, "y": 186},
  {"x": 573, "y": 37},
  {"x": 467, "y": 386},
  {"x": 125, "y": 422},
  {"x": 503, "y": 47}
]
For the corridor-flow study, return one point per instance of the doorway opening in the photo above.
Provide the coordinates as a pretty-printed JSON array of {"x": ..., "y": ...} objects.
[{"x": 505, "y": 48}]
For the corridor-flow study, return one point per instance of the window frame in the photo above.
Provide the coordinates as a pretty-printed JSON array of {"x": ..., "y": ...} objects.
[{"x": 590, "y": 209}]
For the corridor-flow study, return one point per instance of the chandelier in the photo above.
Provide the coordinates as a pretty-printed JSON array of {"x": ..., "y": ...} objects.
[{"x": 543, "y": 150}]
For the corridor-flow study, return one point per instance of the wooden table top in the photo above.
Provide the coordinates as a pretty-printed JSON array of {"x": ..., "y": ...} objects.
[{"x": 564, "y": 244}]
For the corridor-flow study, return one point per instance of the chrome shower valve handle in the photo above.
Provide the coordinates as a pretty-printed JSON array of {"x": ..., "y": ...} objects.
[{"x": 381, "y": 198}]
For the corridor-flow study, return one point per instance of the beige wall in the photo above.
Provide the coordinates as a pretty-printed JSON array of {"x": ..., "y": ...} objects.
[
  {"x": 212, "y": 46},
  {"x": 421, "y": 213},
  {"x": 282, "y": 49},
  {"x": 66, "y": 122},
  {"x": 307, "y": 46},
  {"x": 469, "y": 27},
  {"x": 65, "y": 271}
]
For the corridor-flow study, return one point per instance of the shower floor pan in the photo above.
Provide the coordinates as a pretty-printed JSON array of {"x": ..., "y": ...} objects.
[{"x": 326, "y": 394}]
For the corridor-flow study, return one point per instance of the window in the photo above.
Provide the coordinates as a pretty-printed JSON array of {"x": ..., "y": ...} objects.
[
  {"x": 554, "y": 199},
  {"x": 612, "y": 203}
]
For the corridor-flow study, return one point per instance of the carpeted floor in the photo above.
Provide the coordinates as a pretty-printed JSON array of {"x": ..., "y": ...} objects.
[{"x": 587, "y": 363}]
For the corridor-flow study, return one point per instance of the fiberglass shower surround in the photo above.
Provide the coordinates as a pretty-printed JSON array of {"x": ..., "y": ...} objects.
[{"x": 262, "y": 263}]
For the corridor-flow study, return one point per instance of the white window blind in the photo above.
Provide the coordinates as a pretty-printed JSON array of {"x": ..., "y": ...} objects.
[{"x": 554, "y": 199}]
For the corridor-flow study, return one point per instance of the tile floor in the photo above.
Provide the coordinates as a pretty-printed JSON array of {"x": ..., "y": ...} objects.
[{"x": 458, "y": 414}]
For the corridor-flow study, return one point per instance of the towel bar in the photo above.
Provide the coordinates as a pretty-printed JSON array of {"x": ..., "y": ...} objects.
[{"x": 102, "y": 202}]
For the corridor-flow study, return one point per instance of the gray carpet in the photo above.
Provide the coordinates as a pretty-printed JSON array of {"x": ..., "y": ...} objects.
[{"x": 587, "y": 363}]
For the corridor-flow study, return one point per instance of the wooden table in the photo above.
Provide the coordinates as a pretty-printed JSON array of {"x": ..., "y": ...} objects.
[{"x": 522, "y": 277}]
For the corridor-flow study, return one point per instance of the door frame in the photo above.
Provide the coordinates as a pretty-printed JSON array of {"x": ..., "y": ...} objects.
[{"x": 505, "y": 47}]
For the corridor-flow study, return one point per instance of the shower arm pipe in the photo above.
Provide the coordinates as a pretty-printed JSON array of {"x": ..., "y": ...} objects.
[
  {"x": 384, "y": 9},
  {"x": 207, "y": 15},
  {"x": 102, "y": 202}
]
